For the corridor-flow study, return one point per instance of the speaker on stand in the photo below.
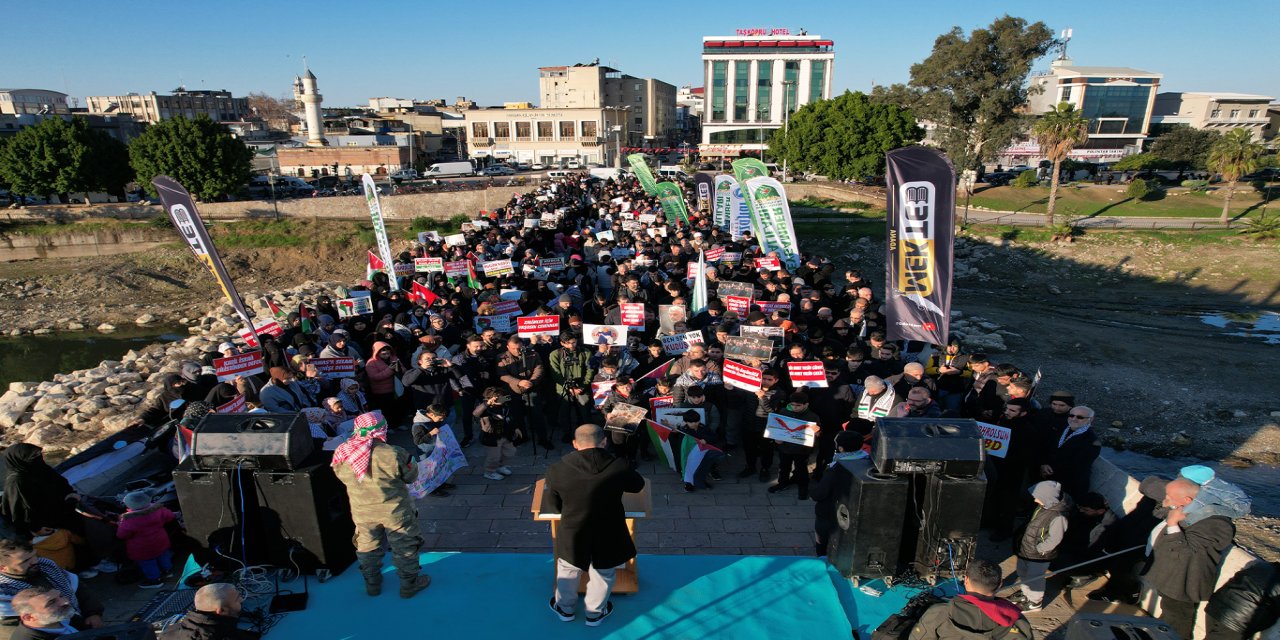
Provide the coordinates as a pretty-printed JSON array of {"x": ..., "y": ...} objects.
[
  {"x": 950, "y": 512},
  {"x": 306, "y": 519},
  {"x": 220, "y": 512},
  {"x": 870, "y": 512}
]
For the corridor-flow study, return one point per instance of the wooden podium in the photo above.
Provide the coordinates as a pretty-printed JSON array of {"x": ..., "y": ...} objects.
[{"x": 636, "y": 505}]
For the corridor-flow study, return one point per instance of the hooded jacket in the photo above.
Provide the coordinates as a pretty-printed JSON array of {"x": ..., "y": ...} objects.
[
  {"x": 1048, "y": 524},
  {"x": 585, "y": 488},
  {"x": 381, "y": 375},
  {"x": 972, "y": 616}
]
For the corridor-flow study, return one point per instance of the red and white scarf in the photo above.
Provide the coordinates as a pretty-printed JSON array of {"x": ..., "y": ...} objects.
[{"x": 357, "y": 450}]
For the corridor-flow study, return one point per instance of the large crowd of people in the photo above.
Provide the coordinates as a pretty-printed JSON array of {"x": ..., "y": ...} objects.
[{"x": 438, "y": 345}]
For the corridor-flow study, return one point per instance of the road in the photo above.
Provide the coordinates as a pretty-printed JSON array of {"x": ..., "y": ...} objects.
[{"x": 1021, "y": 219}]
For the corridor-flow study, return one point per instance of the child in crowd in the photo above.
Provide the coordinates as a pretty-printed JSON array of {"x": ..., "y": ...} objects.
[
  {"x": 146, "y": 541},
  {"x": 695, "y": 428},
  {"x": 59, "y": 545},
  {"x": 1039, "y": 543},
  {"x": 426, "y": 427},
  {"x": 498, "y": 431}
]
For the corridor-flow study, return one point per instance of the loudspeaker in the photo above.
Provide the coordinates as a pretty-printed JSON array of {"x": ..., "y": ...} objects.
[
  {"x": 269, "y": 441},
  {"x": 950, "y": 513},
  {"x": 306, "y": 518},
  {"x": 1103, "y": 626},
  {"x": 126, "y": 631},
  {"x": 928, "y": 445},
  {"x": 219, "y": 510},
  {"x": 870, "y": 510}
]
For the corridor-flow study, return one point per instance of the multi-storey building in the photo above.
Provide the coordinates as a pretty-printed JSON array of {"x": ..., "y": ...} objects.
[
  {"x": 151, "y": 108},
  {"x": 649, "y": 104},
  {"x": 1216, "y": 111}
]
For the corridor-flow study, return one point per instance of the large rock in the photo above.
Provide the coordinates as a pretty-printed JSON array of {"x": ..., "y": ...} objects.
[
  {"x": 145, "y": 319},
  {"x": 106, "y": 327},
  {"x": 12, "y": 405}
]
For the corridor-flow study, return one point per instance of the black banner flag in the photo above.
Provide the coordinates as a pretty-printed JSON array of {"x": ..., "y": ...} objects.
[{"x": 919, "y": 265}]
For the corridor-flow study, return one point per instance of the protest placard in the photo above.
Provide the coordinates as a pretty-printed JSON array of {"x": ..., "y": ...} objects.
[
  {"x": 510, "y": 294},
  {"x": 632, "y": 314},
  {"x": 455, "y": 240},
  {"x": 715, "y": 253},
  {"x": 348, "y": 307},
  {"x": 669, "y": 315},
  {"x": 807, "y": 374},
  {"x": 630, "y": 225},
  {"x": 600, "y": 391},
  {"x": 748, "y": 347},
  {"x": 741, "y": 376},
  {"x": 531, "y": 223},
  {"x": 770, "y": 264},
  {"x": 795, "y": 431},
  {"x": 597, "y": 334},
  {"x": 403, "y": 268},
  {"x": 480, "y": 223},
  {"x": 494, "y": 268},
  {"x": 457, "y": 268},
  {"x": 680, "y": 342},
  {"x": 605, "y": 236},
  {"x": 428, "y": 236},
  {"x": 660, "y": 402},
  {"x": 776, "y": 334},
  {"x": 768, "y": 308},
  {"x": 737, "y": 304},
  {"x": 995, "y": 439},
  {"x": 501, "y": 324},
  {"x": 552, "y": 264},
  {"x": 428, "y": 265},
  {"x": 238, "y": 366},
  {"x": 731, "y": 256},
  {"x": 625, "y": 418},
  {"x": 530, "y": 326},
  {"x": 335, "y": 367},
  {"x": 730, "y": 288},
  {"x": 647, "y": 218},
  {"x": 673, "y": 417},
  {"x": 506, "y": 308},
  {"x": 236, "y": 405},
  {"x": 445, "y": 459},
  {"x": 691, "y": 271},
  {"x": 262, "y": 327}
]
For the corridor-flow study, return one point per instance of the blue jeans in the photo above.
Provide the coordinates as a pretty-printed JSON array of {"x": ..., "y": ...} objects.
[{"x": 154, "y": 568}]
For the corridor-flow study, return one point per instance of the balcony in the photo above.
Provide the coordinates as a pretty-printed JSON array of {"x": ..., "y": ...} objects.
[{"x": 481, "y": 142}]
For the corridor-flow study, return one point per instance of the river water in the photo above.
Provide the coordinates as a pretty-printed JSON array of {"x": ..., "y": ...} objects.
[
  {"x": 38, "y": 358},
  {"x": 1260, "y": 482}
]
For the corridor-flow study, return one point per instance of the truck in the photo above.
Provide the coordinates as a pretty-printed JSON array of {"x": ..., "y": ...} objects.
[{"x": 449, "y": 169}]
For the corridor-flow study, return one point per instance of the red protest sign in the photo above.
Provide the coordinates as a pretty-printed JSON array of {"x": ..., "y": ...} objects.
[
  {"x": 737, "y": 304},
  {"x": 632, "y": 314},
  {"x": 772, "y": 264},
  {"x": 691, "y": 271},
  {"x": 715, "y": 253},
  {"x": 659, "y": 402},
  {"x": 428, "y": 265},
  {"x": 505, "y": 308},
  {"x": 741, "y": 376},
  {"x": 530, "y": 326},
  {"x": 268, "y": 327},
  {"x": 807, "y": 374},
  {"x": 237, "y": 405},
  {"x": 244, "y": 364},
  {"x": 335, "y": 367},
  {"x": 456, "y": 268}
]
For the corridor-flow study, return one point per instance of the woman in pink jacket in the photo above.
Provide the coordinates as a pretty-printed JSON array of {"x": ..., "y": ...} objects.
[
  {"x": 383, "y": 370},
  {"x": 145, "y": 540}
]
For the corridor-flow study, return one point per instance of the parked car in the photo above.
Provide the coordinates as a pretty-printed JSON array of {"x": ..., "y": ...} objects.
[
  {"x": 523, "y": 166},
  {"x": 573, "y": 164},
  {"x": 405, "y": 174},
  {"x": 497, "y": 170},
  {"x": 538, "y": 166},
  {"x": 999, "y": 178}
]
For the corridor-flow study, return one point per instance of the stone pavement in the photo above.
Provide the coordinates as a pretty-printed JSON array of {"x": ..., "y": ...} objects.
[{"x": 733, "y": 517}]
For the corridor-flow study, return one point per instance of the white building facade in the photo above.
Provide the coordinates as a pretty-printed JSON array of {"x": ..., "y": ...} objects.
[{"x": 754, "y": 82}]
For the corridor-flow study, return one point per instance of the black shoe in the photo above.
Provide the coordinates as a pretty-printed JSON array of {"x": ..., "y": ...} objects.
[
  {"x": 1028, "y": 606},
  {"x": 779, "y": 487},
  {"x": 803, "y": 493},
  {"x": 439, "y": 493},
  {"x": 747, "y": 473},
  {"x": 688, "y": 488},
  {"x": 764, "y": 475},
  {"x": 595, "y": 622},
  {"x": 546, "y": 443},
  {"x": 564, "y": 617},
  {"x": 466, "y": 442},
  {"x": 715, "y": 475},
  {"x": 448, "y": 485},
  {"x": 1080, "y": 582}
]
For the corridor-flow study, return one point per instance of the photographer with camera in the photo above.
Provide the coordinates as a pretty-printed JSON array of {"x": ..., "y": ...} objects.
[
  {"x": 500, "y": 427},
  {"x": 521, "y": 369},
  {"x": 571, "y": 373}
]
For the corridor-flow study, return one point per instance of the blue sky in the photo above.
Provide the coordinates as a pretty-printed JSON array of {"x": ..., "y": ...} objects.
[{"x": 490, "y": 51}]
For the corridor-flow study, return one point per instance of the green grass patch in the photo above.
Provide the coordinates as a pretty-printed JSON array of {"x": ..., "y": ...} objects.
[
  {"x": 53, "y": 228},
  {"x": 261, "y": 234},
  {"x": 1112, "y": 200},
  {"x": 852, "y": 229},
  {"x": 1178, "y": 237}
]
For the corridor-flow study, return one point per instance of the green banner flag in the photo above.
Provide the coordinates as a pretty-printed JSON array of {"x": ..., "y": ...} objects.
[
  {"x": 771, "y": 217},
  {"x": 748, "y": 168},
  {"x": 671, "y": 197},
  {"x": 643, "y": 174}
]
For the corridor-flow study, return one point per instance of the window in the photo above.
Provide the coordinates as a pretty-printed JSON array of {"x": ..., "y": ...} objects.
[
  {"x": 1235, "y": 114},
  {"x": 754, "y": 135},
  {"x": 501, "y": 130},
  {"x": 523, "y": 131},
  {"x": 639, "y": 99},
  {"x": 1066, "y": 94},
  {"x": 764, "y": 90},
  {"x": 589, "y": 129},
  {"x": 1253, "y": 113},
  {"x": 741, "y": 89},
  {"x": 790, "y": 75},
  {"x": 636, "y": 87},
  {"x": 1124, "y": 108},
  {"x": 546, "y": 131},
  {"x": 719, "y": 72},
  {"x": 567, "y": 130},
  {"x": 480, "y": 129},
  {"x": 817, "y": 74},
  {"x": 639, "y": 121},
  {"x": 1216, "y": 113}
]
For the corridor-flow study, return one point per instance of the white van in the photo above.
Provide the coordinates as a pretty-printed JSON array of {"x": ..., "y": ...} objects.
[
  {"x": 606, "y": 173},
  {"x": 561, "y": 173},
  {"x": 449, "y": 169},
  {"x": 673, "y": 172}
]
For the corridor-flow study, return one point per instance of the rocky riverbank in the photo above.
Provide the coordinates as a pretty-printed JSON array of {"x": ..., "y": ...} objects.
[{"x": 75, "y": 410}]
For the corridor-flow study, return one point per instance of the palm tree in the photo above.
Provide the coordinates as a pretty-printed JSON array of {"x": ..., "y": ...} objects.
[
  {"x": 1232, "y": 156},
  {"x": 1058, "y": 131}
]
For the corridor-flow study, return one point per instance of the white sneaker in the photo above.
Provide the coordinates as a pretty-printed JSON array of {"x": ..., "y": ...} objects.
[
  {"x": 88, "y": 573},
  {"x": 505, "y": 470},
  {"x": 494, "y": 475},
  {"x": 106, "y": 566}
]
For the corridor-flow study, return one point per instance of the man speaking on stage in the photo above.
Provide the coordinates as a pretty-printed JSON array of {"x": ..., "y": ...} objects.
[{"x": 585, "y": 487}]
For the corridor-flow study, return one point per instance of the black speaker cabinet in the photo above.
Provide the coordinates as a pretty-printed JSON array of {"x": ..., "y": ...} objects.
[
  {"x": 928, "y": 445},
  {"x": 870, "y": 512},
  {"x": 950, "y": 513},
  {"x": 306, "y": 518},
  {"x": 219, "y": 509},
  {"x": 268, "y": 441}
]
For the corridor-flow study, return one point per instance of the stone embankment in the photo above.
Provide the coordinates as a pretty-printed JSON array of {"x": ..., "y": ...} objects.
[{"x": 75, "y": 410}]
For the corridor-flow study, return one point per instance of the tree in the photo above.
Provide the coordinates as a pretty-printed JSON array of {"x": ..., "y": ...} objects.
[
  {"x": 1232, "y": 156},
  {"x": 64, "y": 156},
  {"x": 973, "y": 88},
  {"x": 1184, "y": 147},
  {"x": 276, "y": 112},
  {"x": 1140, "y": 162},
  {"x": 845, "y": 137},
  {"x": 1058, "y": 132},
  {"x": 201, "y": 154}
]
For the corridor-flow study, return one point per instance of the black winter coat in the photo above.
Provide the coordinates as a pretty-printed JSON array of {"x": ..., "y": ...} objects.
[
  {"x": 1250, "y": 601},
  {"x": 201, "y": 625},
  {"x": 1184, "y": 566},
  {"x": 585, "y": 488}
]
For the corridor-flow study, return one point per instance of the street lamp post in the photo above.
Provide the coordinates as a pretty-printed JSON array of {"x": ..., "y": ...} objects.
[{"x": 786, "y": 118}]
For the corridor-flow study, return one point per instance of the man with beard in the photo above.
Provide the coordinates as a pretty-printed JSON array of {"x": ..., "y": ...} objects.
[
  {"x": 42, "y": 614},
  {"x": 1008, "y": 475},
  {"x": 474, "y": 371},
  {"x": 22, "y": 569}
]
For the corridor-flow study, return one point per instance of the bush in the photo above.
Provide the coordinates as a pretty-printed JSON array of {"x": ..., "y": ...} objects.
[
  {"x": 1196, "y": 185},
  {"x": 422, "y": 223},
  {"x": 1259, "y": 185},
  {"x": 1026, "y": 179},
  {"x": 1141, "y": 189},
  {"x": 1263, "y": 227}
]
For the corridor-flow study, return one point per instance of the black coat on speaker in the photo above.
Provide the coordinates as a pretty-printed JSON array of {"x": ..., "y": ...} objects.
[
  {"x": 268, "y": 441},
  {"x": 870, "y": 512},
  {"x": 928, "y": 445}
]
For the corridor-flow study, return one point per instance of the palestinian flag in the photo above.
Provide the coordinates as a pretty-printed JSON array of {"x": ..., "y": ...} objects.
[
  {"x": 658, "y": 371},
  {"x": 472, "y": 280},
  {"x": 694, "y": 455},
  {"x": 375, "y": 265},
  {"x": 662, "y": 437},
  {"x": 276, "y": 311},
  {"x": 308, "y": 325},
  {"x": 422, "y": 293}
]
